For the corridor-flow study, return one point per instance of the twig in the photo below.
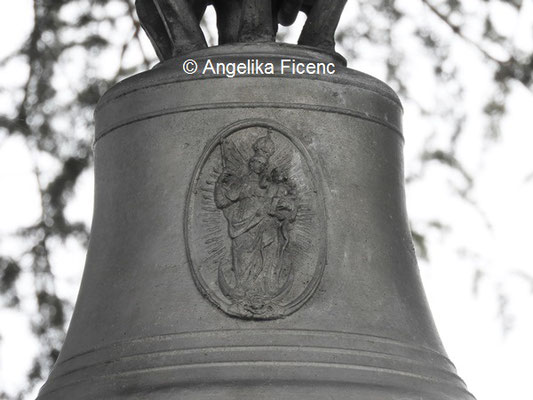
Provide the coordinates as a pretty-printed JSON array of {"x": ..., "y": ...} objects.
[
  {"x": 136, "y": 36},
  {"x": 459, "y": 32}
]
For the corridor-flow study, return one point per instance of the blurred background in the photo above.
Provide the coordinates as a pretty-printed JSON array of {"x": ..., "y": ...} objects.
[{"x": 464, "y": 72}]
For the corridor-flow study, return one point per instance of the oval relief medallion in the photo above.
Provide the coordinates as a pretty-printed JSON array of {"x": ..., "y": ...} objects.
[{"x": 255, "y": 222}]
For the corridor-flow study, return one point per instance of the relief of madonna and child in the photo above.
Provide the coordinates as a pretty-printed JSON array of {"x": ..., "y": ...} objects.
[{"x": 259, "y": 203}]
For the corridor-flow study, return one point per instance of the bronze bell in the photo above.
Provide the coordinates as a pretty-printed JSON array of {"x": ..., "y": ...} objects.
[{"x": 250, "y": 240}]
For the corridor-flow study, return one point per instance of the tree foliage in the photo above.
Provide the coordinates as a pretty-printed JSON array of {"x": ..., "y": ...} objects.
[{"x": 66, "y": 59}]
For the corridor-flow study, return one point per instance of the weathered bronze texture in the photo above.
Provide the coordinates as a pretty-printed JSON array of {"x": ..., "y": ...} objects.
[
  {"x": 321, "y": 23},
  {"x": 173, "y": 26},
  {"x": 250, "y": 241}
]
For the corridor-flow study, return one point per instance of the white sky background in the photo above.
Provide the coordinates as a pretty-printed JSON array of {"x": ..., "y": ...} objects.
[{"x": 495, "y": 366}]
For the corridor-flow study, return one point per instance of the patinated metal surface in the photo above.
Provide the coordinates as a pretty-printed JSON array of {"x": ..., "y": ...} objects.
[
  {"x": 173, "y": 26},
  {"x": 250, "y": 239},
  {"x": 172, "y": 304}
]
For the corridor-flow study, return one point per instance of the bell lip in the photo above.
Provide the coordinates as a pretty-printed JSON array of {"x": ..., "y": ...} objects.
[
  {"x": 170, "y": 71},
  {"x": 417, "y": 362}
]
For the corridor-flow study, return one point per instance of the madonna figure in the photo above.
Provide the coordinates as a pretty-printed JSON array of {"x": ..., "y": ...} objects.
[{"x": 259, "y": 205}]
